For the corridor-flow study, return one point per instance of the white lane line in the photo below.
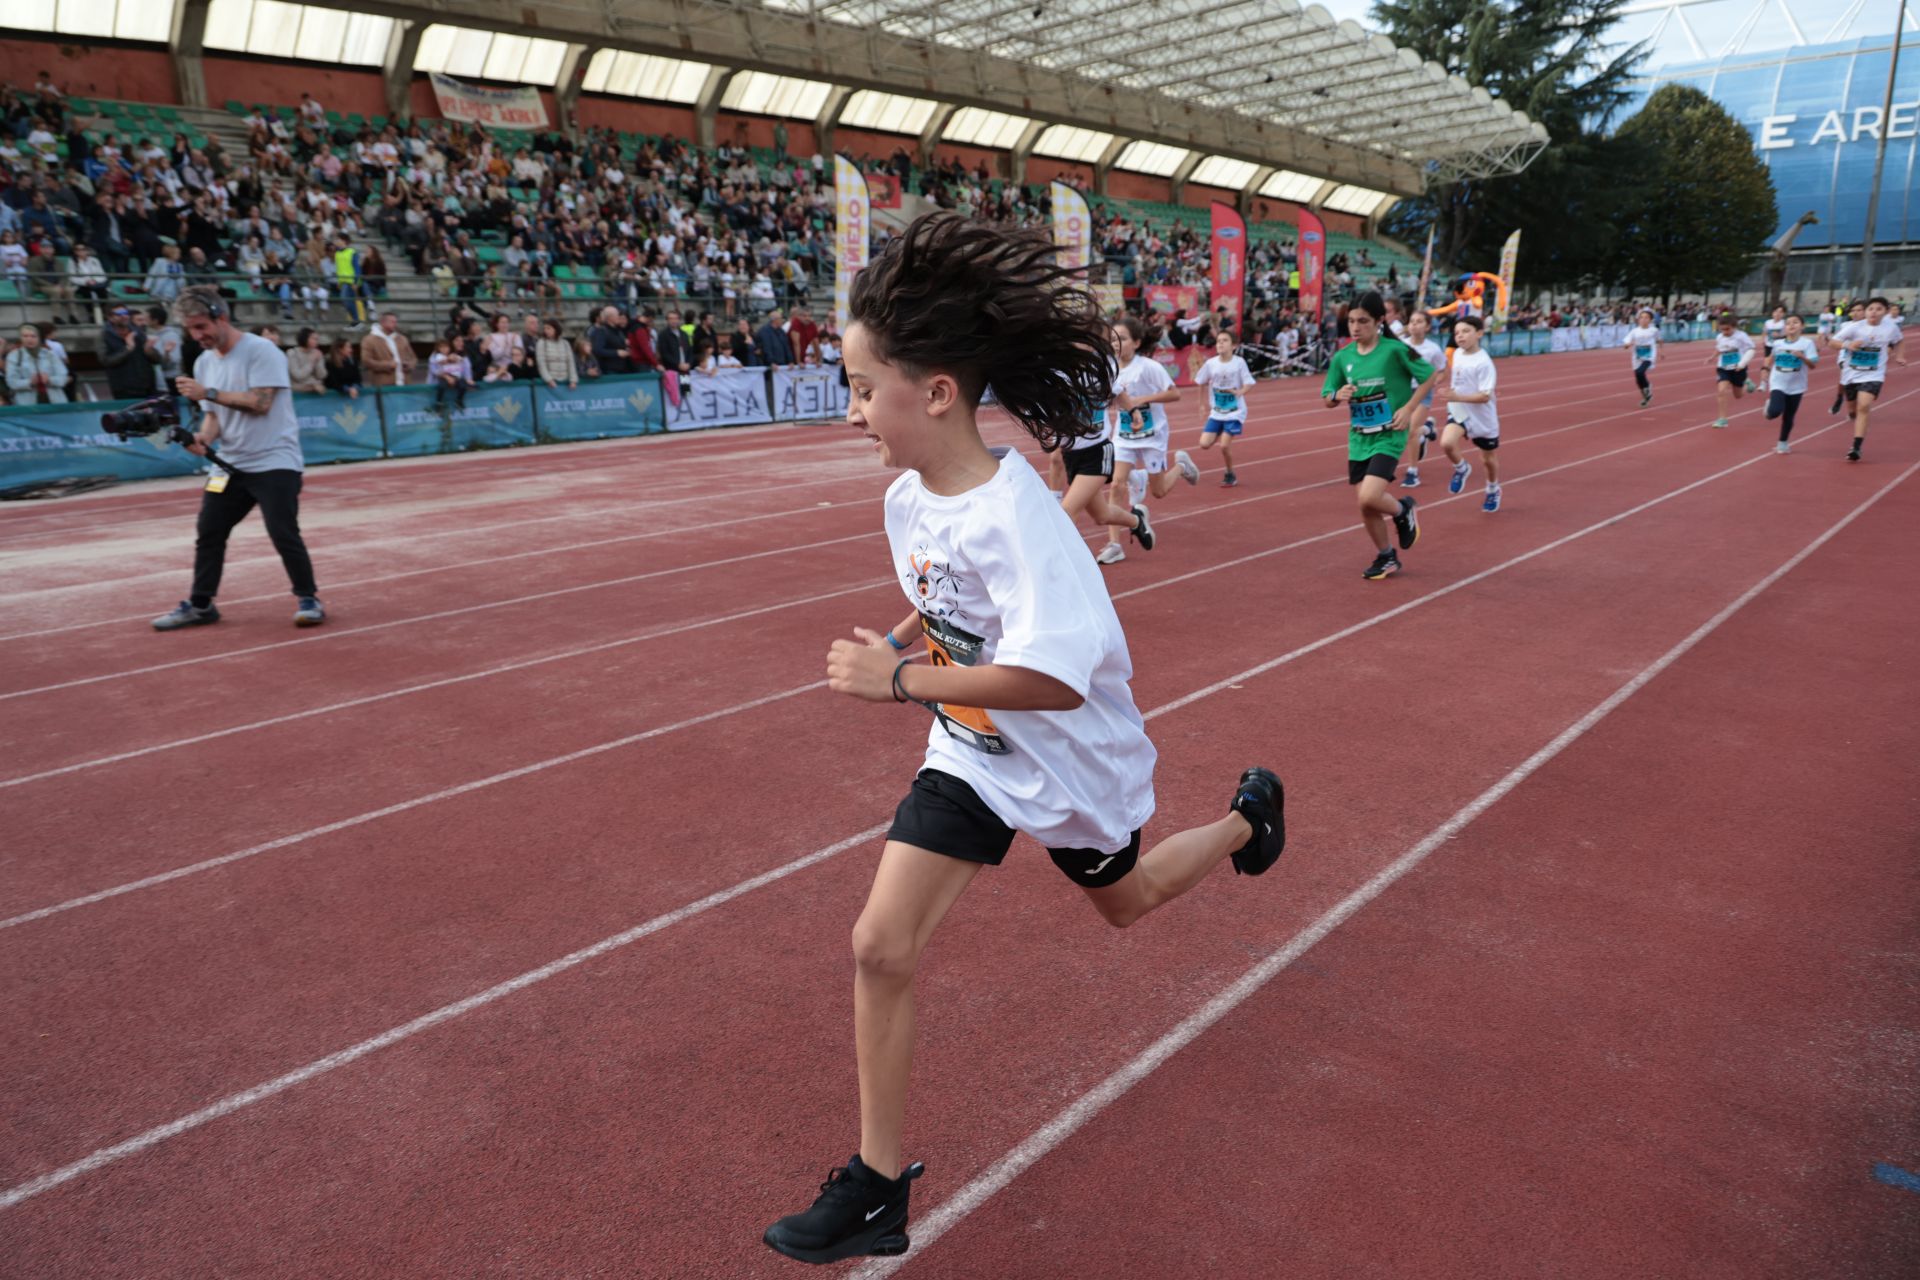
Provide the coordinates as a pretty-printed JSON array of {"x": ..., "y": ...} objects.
[
  {"x": 298, "y": 837},
  {"x": 1075, "y": 1115},
  {"x": 935, "y": 1225}
]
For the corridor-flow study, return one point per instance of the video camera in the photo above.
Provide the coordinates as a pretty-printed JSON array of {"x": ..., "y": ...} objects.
[{"x": 157, "y": 416}]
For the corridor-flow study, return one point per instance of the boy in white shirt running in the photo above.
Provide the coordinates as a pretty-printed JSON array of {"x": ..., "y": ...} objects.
[
  {"x": 1471, "y": 415},
  {"x": 1855, "y": 311},
  {"x": 1644, "y": 341},
  {"x": 1732, "y": 353},
  {"x": 1227, "y": 378},
  {"x": 1415, "y": 333},
  {"x": 1867, "y": 346},
  {"x": 1793, "y": 355},
  {"x": 1034, "y": 727}
]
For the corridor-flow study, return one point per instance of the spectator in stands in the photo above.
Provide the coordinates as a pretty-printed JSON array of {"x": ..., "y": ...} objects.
[
  {"x": 670, "y": 342},
  {"x": 169, "y": 344},
  {"x": 312, "y": 278},
  {"x": 553, "y": 357},
  {"x": 450, "y": 373},
  {"x": 386, "y": 357},
  {"x": 40, "y": 222},
  {"x": 505, "y": 354},
  {"x": 36, "y": 374},
  {"x": 87, "y": 278},
  {"x": 804, "y": 336},
  {"x": 167, "y": 277},
  {"x": 46, "y": 278},
  {"x": 128, "y": 357},
  {"x": 13, "y": 257},
  {"x": 307, "y": 363},
  {"x": 771, "y": 338},
  {"x": 343, "y": 369},
  {"x": 744, "y": 346},
  {"x": 608, "y": 339},
  {"x": 640, "y": 352}
]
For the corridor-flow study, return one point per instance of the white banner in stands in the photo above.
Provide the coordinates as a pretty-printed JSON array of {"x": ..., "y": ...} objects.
[
  {"x": 1589, "y": 337},
  {"x": 724, "y": 399},
  {"x": 808, "y": 395},
  {"x": 501, "y": 108}
]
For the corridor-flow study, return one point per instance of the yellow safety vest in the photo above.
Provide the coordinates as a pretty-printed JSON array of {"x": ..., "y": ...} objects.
[{"x": 343, "y": 265}]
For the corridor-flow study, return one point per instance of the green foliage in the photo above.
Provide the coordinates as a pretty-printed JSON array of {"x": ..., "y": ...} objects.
[
  {"x": 1553, "y": 60},
  {"x": 1705, "y": 206}
]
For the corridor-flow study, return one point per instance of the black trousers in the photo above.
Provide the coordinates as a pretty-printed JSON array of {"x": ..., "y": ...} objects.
[
  {"x": 1783, "y": 405},
  {"x": 277, "y": 494}
]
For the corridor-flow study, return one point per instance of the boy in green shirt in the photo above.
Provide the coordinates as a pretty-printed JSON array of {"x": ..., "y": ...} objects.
[{"x": 1379, "y": 379}]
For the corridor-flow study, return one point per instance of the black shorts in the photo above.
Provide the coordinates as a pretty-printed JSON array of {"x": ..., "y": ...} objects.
[
  {"x": 1092, "y": 460},
  {"x": 942, "y": 814},
  {"x": 1384, "y": 465},
  {"x": 1738, "y": 377},
  {"x": 1852, "y": 390}
]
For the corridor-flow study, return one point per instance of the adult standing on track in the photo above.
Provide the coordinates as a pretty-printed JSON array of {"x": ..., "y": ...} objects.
[
  {"x": 241, "y": 381},
  {"x": 1380, "y": 380}
]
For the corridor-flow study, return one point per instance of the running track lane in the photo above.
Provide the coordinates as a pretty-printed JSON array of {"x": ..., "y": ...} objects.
[{"x": 1049, "y": 899}]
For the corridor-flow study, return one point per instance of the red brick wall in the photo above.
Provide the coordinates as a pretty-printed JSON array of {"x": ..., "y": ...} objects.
[
  {"x": 247, "y": 81},
  {"x": 1122, "y": 185},
  {"x": 1042, "y": 169},
  {"x": 90, "y": 70}
]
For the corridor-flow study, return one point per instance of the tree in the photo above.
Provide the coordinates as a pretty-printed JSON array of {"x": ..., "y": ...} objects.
[
  {"x": 1554, "y": 60},
  {"x": 1706, "y": 205}
]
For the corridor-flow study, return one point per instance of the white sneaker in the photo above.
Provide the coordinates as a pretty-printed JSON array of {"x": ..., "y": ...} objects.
[
  {"x": 1188, "y": 471},
  {"x": 1111, "y": 554},
  {"x": 1782, "y": 446}
]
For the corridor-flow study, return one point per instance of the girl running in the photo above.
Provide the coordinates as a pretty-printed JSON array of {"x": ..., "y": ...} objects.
[
  {"x": 1471, "y": 415},
  {"x": 1771, "y": 333},
  {"x": 1142, "y": 390},
  {"x": 1379, "y": 380},
  {"x": 1081, "y": 469},
  {"x": 1034, "y": 727},
  {"x": 1732, "y": 353},
  {"x": 1417, "y": 327},
  {"x": 1792, "y": 356},
  {"x": 1227, "y": 379},
  {"x": 1867, "y": 345},
  {"x": 1643, "y": 340}
]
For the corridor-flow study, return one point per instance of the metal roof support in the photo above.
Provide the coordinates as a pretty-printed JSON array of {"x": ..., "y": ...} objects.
[
  {"x": 930, "y": 136},
  {"x": 829, "y": 118},
  {"x": 706, "y": 108},
  {"x": 1177, "y": 180},
  {"x": 1022, "y": 150},
  {"x": 566, "y": 86},
  {"x": 186, "y": 42},
  {"x": 1319, "y": 197},
  {"x": 1251, "y": 192},
  {"x": 1104, "y": 164},
  {"x": 403, "y": 46}
]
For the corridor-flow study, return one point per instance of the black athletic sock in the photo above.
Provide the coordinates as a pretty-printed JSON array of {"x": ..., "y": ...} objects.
[{"x": 200, "y": 602}]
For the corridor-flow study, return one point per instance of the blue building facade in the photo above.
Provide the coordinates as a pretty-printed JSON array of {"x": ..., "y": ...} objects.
[{"x": 1815, "y": 115}]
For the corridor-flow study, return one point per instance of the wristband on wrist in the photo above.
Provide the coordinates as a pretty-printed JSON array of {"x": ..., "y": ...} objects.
[
  {"x": 897, "y": 646},
  {"x": 900, "y": 693}
]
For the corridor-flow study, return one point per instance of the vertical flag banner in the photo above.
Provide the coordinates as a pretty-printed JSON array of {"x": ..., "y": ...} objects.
[
  {"x": 1312, "y": 252},
  {"x": 1228, "y": 263},
  {"x": 1509, "y": 259},
  {"x": 852, "y": 235},
  {"x": 1072, "y": 227}
]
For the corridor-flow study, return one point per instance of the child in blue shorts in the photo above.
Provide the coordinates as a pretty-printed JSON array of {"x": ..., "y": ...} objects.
[{"x": 1227, "y": 378}]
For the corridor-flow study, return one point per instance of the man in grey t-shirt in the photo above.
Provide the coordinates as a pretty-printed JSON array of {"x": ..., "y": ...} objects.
[{"x": 241, "y": 381}]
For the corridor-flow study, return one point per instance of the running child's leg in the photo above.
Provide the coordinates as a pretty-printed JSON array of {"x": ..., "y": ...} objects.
[
  {"x": 1378, "y": 509},
  {"x": 1057, "y": 472},
  {"x": 1492, "y": 458},
  {"x": 1162, "y": 484},
  {"x": 1640, "y": 377},
  {"x": 1862, "y": 410},
  {"x": 1089, "y": 494},
  {"x": 1453, "y": 440},
  {"x": 912, "y": 891},
  {"x": 1253, "y": 834},
  {"x": 1122, "y": 488}
]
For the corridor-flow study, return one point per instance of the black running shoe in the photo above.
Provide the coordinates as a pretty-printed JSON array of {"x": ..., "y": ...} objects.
[
  {"x": 1262, "y": 801},
  {"x": 1838, "y": 400},
  {"x": 859, "y": 1214},
  {"x": 1142, "y": 529},
  {"x": 1384, "y": 565},
  {"x": 1407, "y": 524},
  {"x": 185, "y": 615},
  {"x": 1853, "y": 454}
]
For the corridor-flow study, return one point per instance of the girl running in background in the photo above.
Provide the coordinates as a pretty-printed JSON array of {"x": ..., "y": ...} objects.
[
  {"x": 1081, "y": 470},
  {"x": 1793, "y": 357},
  {"x": 1227, "y": 379},
  {"x": 1034, "y": 726},
  {"x": 1417, "y": 327},
  {"x": 1866, "y": 346},
  {"x": 1855, "y": 311},
  {"x": 1771, "y": 333},
  {"x": 1732, "y": 353},
  {"x": 1378, "y": 381},
  {"x": 1643, "y": 340},
  {"x": 1471, "y": 415},
  {"x": 1142, "y": 389}
]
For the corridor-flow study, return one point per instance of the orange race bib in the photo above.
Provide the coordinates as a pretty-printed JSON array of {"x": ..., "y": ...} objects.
[{"x": 949, "y": 646}]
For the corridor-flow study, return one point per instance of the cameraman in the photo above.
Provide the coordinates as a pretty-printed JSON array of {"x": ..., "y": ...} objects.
[{"x": 241, "y": 382}]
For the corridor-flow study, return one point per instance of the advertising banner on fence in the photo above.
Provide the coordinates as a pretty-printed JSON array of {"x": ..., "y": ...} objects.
[
  {"x": 1166, "y": 299},
  {"x": 501, "y": 108},
  {"x": 1313, "y": 262},
  {"x": 1227, "y": 266},
  {"x": 1509, "y": 260},
  {"x": 1182, "y": 362},
  {"x": 495, "y": 414},
  {"x": 1072, "y": 226},
  {"x": 600, "y": 407},
  {"x": 337, "y": 428},
  {"x": 724, "y": 399},
  {"x": 883, "y": 189},
  {"x": 852, "y": 235},
  {"x": 807, "y": 395},
  {"x": 1111, "y": 297},
  {"x": 39, "y": 443}
]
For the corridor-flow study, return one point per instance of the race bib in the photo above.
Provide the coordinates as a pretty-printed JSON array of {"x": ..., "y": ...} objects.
[
  {"x": 1643, "y": 353},
  {"x": 1729, "y": 359},
  {"x": 217, "y": 482},
  {"x": 949, "y": 646},
  {"x": 1786, "y": 361},
  {"x": 1865, "y": 358},
  {"x": 1225, "y": 402},
  {"x": 1135, "y": 424},
  {"x": 1369, "y": 412}
]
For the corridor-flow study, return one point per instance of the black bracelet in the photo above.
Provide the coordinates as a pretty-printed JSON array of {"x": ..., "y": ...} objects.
[{"x": 900, "y": 693}]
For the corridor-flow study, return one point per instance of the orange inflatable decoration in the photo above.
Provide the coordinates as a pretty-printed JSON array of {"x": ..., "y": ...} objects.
[{"x": 1470, "y": 297}]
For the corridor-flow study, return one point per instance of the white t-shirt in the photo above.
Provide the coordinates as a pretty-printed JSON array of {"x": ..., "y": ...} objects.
[
  {"x": 1826, "y": 322},
  {"x": 1774, "y": 331},
  {"x": 1869, "y": 363},
  {"x": 1227, "y": 382},
  {"x": 999, "y": 575},
  {"x": 1434, "y": 354},
  {"x": 1791, "y": 360},
  {"x": 1644, "y": 345},
  {"x": 1146, "y": 425},
  {"x": 1732, "y": 350},
  {"x": 1473, "y": 374}
]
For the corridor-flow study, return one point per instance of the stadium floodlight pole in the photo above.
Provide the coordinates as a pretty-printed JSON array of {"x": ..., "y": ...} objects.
[{"x": 1880, "y": 155}]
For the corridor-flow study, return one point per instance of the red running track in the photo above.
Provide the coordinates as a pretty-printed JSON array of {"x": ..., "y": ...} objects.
[{"x": 514, "y": 942}]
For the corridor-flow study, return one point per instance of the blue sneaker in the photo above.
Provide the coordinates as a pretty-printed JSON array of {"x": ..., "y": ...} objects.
[
  {"x": 309, "y": 614},
  {"x": 1460, "y": 473},
  {"x": 185, "y": 615},
  {"x": 1493, "y": 498},
  {"x": 1413, "y": 479}
]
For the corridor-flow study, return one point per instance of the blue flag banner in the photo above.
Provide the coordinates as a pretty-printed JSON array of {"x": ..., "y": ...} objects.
[{"x": 600, "y": 408}]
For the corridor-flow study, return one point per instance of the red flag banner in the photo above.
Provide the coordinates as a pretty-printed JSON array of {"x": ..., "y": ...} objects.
[
  {"x": 1228, "y": 269},
  {"x": 1312, "y": 251}
]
